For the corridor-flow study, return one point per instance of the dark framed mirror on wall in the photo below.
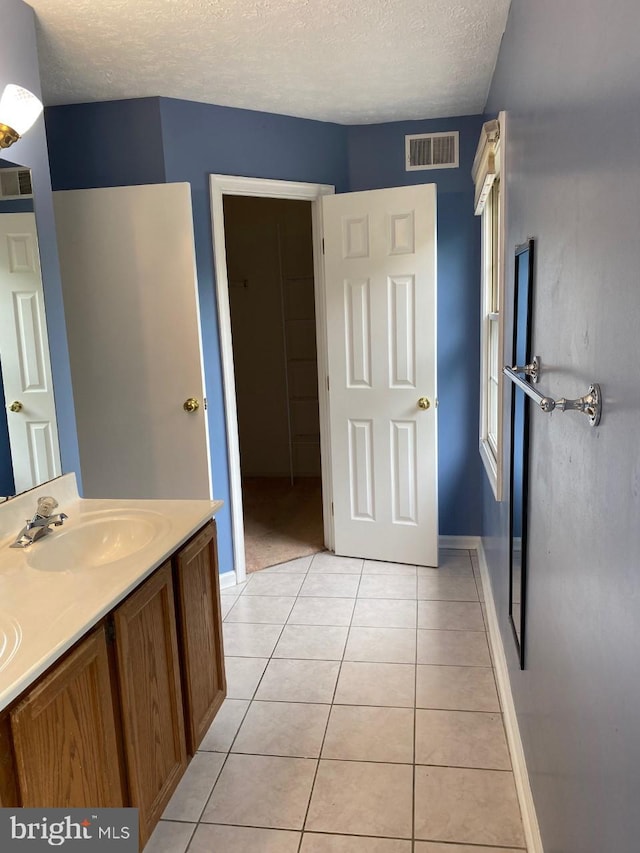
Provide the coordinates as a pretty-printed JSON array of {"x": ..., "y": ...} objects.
[{"x": 519, "y": 463}]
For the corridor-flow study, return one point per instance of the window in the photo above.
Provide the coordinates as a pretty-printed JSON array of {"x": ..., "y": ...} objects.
[{"x": 488, "y": 172}]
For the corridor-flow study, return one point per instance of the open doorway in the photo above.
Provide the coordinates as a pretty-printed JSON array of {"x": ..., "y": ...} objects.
[
  {"x": 270, "y": 274},
  {"x": 221, "y": 187}
]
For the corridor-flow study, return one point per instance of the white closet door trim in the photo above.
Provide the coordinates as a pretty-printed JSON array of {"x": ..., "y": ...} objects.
[{"x": 221, "y": 185}]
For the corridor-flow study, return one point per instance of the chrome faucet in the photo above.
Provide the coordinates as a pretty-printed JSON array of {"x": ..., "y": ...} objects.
[{"x": 40, "y": 524}]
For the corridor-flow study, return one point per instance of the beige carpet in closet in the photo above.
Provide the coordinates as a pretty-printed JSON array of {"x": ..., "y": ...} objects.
[{"x": 281, "y": 521}]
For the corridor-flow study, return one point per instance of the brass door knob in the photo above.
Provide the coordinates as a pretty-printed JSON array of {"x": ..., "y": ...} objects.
[
  {"x": 191, "y": 405},
  {"x": 16, "y": 406},
  {"x": 423, "y": 403}
]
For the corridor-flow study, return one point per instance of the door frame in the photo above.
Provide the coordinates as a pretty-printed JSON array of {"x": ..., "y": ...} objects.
[{"x": 221, "y": 185}]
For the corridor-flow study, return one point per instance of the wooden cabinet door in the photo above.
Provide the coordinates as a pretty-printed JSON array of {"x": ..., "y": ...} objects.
[
  {"x": 200, "y": 619},
  {"x": 152, "y": 717},
  {"x": 8, "y": 782},
  {"x": 64, "y": 733}
]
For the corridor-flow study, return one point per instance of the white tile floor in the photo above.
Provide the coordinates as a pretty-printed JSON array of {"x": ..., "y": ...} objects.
[{"x": 362, "y": 717}]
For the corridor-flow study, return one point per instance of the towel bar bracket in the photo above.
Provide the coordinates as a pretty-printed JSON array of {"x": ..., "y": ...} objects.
[
  {"x": 532, "y": 370},
  {"x": 589, "y": 405}
]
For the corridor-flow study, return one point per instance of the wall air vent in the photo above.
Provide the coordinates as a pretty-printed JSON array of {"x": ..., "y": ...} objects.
[
  {"x": 431, "y": 151},
  {"x": 15, "y": 183}
]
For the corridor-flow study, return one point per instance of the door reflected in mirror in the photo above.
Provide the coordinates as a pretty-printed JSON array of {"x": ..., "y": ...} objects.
[
  {"x": 519, "y": 469},
  {"x": 29, "y": 451}
]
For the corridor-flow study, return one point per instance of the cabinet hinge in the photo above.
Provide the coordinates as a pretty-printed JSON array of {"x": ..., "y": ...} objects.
[
  {"x": 110, "y": 631},
  {"x": 205, "y": 403},
  {"x": 327, "y": 383},
  {"x": 323, "y": 245},
  {"x": 332, "y": 508}
]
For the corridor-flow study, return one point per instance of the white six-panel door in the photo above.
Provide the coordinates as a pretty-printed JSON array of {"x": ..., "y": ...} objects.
[
  {"x": 26, "y": 369},
  {"x": 127, "y": 260},
  {"x": 380, "y": 270}
]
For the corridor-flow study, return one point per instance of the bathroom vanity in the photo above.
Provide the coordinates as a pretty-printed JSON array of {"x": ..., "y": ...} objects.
[{"x": 111, "y": 659}]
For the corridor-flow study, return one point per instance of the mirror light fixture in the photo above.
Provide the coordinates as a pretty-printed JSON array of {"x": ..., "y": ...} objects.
[{"x": 19, "y": 109}]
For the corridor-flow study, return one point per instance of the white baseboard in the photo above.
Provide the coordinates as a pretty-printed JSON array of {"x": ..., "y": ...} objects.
[
  {"x": 227, "y": 579},
  {"x": 525, "y": 797},
  {"x": 469, "y": 543}
]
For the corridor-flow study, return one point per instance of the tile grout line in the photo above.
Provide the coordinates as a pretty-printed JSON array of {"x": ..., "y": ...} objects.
[
  {"x": 415, "y": 725},
  {"x": 476, "y": 573},
  {"x": 306, "y": 575},
  {"x": 326, "y": 728},
  {"x": 228, "y": 753},
  {"x": 364, "y": 704},
  {"x": 415, "y": 722},
  {"x": 271, "y": 657},
  {"x": 193, "y": 832},
  {"x": 479, "y": 586},
  {"x": 360, "y": 761},
  {"x": 337, "y": 660}
]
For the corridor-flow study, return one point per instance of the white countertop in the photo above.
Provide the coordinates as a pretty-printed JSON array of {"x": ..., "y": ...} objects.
[{"x": 45, "y": 609}]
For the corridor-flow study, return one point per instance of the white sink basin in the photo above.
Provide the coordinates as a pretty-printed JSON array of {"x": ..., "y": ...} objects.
[
  {"x": 10, "y": 639},
  {"x": 96, "y": 539}
]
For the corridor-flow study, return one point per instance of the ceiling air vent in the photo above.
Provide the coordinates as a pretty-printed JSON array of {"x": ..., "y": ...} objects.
[
  {"x": 15, "y": 183},
  {"x": 432, "y": 151}
]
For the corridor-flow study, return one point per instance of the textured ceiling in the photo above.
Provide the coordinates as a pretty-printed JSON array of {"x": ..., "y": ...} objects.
[{"x": 348, "y": 61}]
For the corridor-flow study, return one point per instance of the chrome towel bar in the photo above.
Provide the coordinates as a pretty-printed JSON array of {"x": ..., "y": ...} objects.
[{"x": 590, "y": 405}]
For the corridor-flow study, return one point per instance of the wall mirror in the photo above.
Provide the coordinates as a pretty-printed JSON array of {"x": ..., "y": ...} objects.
[
  {"x": 520, "y": 448},
  {"x": 29, "y": 450}
]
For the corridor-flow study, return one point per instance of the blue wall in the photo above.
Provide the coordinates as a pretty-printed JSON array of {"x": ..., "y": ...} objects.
[
  {"x": 376, "y": 160},
  {"x": 18, "y": 205},
  {"x": 196, "y": 140},
  {"x": 7, "y": 485},
  {"x": 377, "y": 152},
  {"x": 568, "y": 77},
  {"x": 106, "y": 144},
  {"x": 19, "y": 64},
  {"x": 184, "y": 141},
  {"x": 200, "y": 139}
]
